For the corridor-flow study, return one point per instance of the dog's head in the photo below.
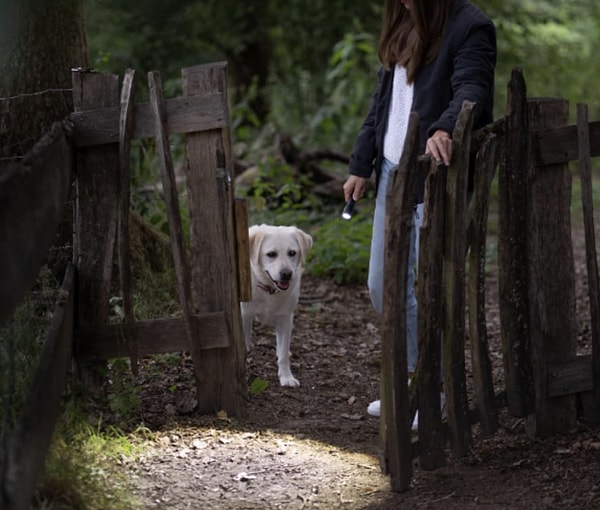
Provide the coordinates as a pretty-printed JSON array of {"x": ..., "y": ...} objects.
[{"x": 277, "y": 254}]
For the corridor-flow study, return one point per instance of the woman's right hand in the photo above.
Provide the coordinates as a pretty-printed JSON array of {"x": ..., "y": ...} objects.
[{"x": 354, "y": 187}]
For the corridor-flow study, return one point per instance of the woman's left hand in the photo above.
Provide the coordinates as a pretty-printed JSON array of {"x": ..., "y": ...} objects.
[{"x": 439, "y": 145}]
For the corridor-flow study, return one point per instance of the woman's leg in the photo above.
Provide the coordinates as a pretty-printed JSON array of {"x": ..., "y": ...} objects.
[
  {"x": 412, "y": 339},
  {"x": 375, "y": 280},
  {"x": 376, "y": 262}
]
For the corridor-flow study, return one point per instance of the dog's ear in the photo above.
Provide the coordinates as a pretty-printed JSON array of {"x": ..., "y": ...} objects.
[
  {"x": 256, "y": 235},
  {"x": 305, "y": 241}
]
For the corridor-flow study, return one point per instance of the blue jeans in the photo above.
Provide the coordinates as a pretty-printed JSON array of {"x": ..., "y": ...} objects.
[{"x": 376, "y": 270}]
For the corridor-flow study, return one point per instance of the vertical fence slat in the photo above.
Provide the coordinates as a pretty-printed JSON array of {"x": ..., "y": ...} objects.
[
  {"x": 173, "y": 215},
  {"x": 395, "y": 417},
  {"x": 125, "y": 133},
  {"x": 209, "y": 178},
  {"x": 430, "y": 296},
  {"x": 512, "y": 251},
  {"x": 455, "y": 384},
  {"x": 482, "y": 370},
  {"x": 96, "y": 212},
  {"x": 591, "y": 410},
  {"x": 551, "y": 286}
]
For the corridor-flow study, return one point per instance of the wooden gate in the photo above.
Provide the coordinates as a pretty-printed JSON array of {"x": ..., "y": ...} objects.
[{"x": 208, "y": 280}]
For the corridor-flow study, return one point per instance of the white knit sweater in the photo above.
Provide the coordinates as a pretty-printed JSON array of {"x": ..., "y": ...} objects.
[{"x": 402, "y": 97}]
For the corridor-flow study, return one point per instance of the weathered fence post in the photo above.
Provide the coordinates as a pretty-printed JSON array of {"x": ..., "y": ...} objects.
[
  {"x": 512, "y": 251},
  {"x": 590, "y": 401},
  {"x": 97, "y": 206},
  {"x": 483, "y": 385},
  {"x": 214, "y": 259},
  {"x": 455, "y": 384},
  {"x": 430, "y": 294},
  {"x": 551, "y": 289},
  {"x": 395, "y": 418}
]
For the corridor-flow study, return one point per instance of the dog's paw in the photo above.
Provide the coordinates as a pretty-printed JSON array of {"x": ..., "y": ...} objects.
[{"x": 288, "y": 380}]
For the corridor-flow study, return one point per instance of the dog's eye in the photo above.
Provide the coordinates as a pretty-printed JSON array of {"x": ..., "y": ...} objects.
[
  {"x": 271, "y": 254},
  {"x": 292, "y": 253}
]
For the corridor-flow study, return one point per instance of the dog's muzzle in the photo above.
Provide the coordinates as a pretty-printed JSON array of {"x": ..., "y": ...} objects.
[{"x": 284, "y": 280}]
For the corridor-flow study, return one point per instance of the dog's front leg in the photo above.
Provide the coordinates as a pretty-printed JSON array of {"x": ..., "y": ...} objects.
[{"x": 283, "y": 332}]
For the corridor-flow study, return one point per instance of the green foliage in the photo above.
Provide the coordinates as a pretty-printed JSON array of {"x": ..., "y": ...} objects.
[
  {"x": 553, "y": 41},
  {"x": 147, "y": 194},
  {"x": 349, "y": 83},
  {"x": 155, "y": 294},
  {"x": 341, "y": 248}
]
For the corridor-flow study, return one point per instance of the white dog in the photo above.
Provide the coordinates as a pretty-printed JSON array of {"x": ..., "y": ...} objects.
[{"x": 276, "y": 257}]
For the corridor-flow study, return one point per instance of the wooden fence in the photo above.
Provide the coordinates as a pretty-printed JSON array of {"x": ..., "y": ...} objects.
[
  {"x": 531, "y": 146},
  {"x": 33, "y": 198},
  {"x": 91, "y": 151}
]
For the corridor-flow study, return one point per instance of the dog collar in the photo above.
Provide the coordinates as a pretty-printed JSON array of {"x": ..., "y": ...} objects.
[{"x": 267, "y": 288}]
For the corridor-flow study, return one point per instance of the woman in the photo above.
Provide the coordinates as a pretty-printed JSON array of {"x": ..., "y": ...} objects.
[{"x": 435, "y": 54}]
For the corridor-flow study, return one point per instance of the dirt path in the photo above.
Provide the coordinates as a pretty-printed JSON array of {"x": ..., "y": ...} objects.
[{"x": 315, "y": 447}]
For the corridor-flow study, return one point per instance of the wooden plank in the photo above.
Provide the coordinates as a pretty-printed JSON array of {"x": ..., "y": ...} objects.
[
  {"x": 154, "y": 336},
  {"x": 557, "y": 145},
  {"x": 551, "y": 268},
  {"x": 570, "y": 376},
  {"x": 243, "y": 250},
  {"x": 512, "y": 251},
  {"x": 483, "y": 384},
  {"x": 591, "y": 409},
  {"x": 396, "y": 418},
  {"x": 184, "y": 115},
  {"x": 455, "y": 384},
  {"x": 173, "y": 213},
  {"x": 429, "y": 296},
  {"x": 209, "y": 179},
  {"x": 125, "y": 278},
  {"x": 26, "y": 450},
  {"x": 34, "y": 195}
]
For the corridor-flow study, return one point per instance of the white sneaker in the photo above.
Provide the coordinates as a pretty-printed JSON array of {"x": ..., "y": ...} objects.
[
  {"x": 415, "y": 424},
  {"x": 374, "y": 408}
]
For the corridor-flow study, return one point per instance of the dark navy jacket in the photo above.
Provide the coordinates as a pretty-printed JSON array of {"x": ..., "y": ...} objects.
[{"x": 463, "y": 70}]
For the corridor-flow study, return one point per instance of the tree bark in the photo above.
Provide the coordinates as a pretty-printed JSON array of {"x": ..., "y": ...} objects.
[{"x": 40, "y": 41}]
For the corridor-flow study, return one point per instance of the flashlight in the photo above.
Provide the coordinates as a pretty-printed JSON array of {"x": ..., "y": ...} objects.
[{"x": 347, "y": 212}]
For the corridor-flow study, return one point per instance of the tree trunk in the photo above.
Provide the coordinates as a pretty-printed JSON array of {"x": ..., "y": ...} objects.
[{"x": 40, "y": 41}]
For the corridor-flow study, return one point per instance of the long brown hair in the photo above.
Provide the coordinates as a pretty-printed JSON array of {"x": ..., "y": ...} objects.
[{"x": 412, "y": 37}]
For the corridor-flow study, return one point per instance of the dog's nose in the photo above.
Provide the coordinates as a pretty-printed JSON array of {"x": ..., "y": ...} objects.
[{"x": 285, "y": 275}]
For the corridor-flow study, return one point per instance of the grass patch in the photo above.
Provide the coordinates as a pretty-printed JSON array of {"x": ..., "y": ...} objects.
[{"x": 83, "y": 468}]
